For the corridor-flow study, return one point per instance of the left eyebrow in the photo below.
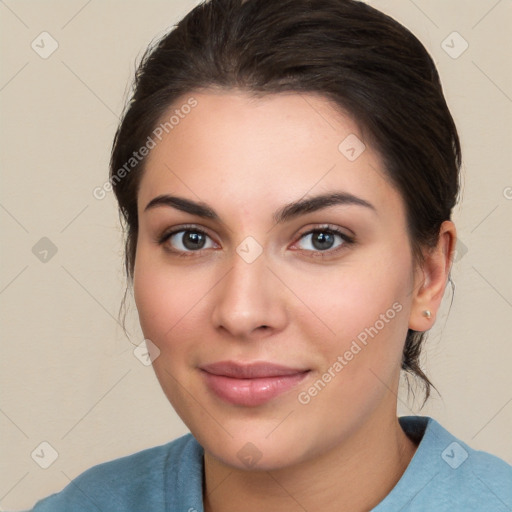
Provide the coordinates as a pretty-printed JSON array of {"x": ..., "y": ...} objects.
[
  {"x": 312, "y": 204},
  {"x": 284, "y": 214}
]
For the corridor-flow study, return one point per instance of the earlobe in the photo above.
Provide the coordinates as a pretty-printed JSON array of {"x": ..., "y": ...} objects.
[{"x": 431, "y": 279}]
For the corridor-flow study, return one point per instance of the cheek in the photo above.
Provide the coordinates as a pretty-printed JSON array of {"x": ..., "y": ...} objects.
[
  {"x": 166, "y": 298},
  {"x": 168, "y": 303},
  {"x": 361, "y": 361},
  {"x": 365, "y": 306},
  {"x": 357, "y": 295}
]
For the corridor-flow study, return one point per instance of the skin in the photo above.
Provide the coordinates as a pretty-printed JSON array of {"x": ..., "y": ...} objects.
[{"x": 246, "y": 158}]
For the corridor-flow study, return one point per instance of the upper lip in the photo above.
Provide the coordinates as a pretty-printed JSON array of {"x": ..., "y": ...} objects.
[{"x": 255, "y": 370}]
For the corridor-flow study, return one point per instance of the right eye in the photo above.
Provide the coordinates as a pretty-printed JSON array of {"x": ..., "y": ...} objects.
[{"x": 186, "y": 240}]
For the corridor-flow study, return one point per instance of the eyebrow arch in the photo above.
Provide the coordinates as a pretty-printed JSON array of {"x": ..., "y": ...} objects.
[{"x": 284, "y": 214}]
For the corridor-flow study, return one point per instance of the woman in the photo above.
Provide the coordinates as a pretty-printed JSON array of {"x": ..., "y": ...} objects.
[{"x": 287, "y": 172}]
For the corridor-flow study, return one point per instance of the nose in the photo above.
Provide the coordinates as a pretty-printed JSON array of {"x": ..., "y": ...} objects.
[{"x": 249, "y": 301}]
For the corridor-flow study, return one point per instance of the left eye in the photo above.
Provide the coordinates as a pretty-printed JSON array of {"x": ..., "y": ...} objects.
[{"x": 324, "y": 239}]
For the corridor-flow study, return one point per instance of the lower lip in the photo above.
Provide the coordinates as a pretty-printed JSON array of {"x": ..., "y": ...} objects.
[{"x": 251, "y": 392}]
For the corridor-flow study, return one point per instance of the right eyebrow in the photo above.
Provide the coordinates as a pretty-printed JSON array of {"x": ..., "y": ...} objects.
[{"x": 184, "y": 205}]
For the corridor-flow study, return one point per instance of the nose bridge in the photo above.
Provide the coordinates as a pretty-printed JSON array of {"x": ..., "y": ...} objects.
[{"x": 247, "y": 297}]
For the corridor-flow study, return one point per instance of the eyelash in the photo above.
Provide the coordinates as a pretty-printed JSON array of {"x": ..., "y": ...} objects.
[{"x": 347, "y": 240}]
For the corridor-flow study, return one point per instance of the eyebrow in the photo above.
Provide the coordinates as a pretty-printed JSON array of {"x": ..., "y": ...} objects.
[{"x": 284, "y": 214}]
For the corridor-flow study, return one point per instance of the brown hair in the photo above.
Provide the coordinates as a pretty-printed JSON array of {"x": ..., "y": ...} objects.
[{"x": 365, "y": 62}]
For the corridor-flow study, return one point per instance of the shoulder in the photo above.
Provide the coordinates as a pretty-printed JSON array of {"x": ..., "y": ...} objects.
[
  {"x": 489, "y": 477},
  {"x": 134, "y": 482},
  {"x": 473, "y": 464},
  {"x": 447, "y": 474}
]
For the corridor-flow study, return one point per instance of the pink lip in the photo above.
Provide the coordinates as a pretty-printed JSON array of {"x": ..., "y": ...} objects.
[{"x": 250, "y": 384}]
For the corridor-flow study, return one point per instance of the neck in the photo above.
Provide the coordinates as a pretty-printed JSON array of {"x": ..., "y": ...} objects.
[{"x": 354, "y": 476}]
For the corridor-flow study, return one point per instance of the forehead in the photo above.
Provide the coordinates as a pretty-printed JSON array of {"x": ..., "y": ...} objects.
[
  {"x": 234, "y": 124},
  {"x": 261, "y": 151}
]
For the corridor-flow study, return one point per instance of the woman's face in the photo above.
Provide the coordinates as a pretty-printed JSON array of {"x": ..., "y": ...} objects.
[{"x": 326, "y": 311}]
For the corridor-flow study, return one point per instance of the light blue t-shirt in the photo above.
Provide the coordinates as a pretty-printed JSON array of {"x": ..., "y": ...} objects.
[{"x": 445, "y": 474}]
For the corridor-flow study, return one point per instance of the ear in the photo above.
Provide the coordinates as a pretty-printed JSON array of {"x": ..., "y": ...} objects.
[{"x": 431, "y": 278}]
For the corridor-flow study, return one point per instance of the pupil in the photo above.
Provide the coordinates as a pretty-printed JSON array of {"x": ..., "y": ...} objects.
[
  {"x": 323, "y": 240},
  {"x": 193, "y": 240}
]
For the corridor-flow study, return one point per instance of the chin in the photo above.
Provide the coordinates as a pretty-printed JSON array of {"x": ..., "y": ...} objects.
[{"x": 260, "y": 454}]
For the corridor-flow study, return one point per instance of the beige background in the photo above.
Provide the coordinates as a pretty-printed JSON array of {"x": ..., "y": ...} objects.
[{"x": 69, "y": 375}]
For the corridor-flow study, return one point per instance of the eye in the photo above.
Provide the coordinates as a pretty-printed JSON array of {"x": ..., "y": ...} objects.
[
  {"x": 186, "y": 239},
  {"x": 324, "y": 240}
]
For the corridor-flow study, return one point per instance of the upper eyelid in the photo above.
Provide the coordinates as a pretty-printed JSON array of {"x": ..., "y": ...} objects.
[
  {"x": 167, "y": 233},
  {"x": 198, "y": 227}
]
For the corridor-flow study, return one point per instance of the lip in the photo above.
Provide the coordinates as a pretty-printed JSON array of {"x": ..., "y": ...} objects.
[{"x": 250, "y": 384}]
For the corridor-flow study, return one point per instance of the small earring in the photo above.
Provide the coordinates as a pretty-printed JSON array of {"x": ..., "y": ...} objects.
[{"x": 427, "y": 313}]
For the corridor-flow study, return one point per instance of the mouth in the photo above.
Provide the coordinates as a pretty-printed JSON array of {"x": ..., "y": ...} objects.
[{"x": 252, "y": 384}]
